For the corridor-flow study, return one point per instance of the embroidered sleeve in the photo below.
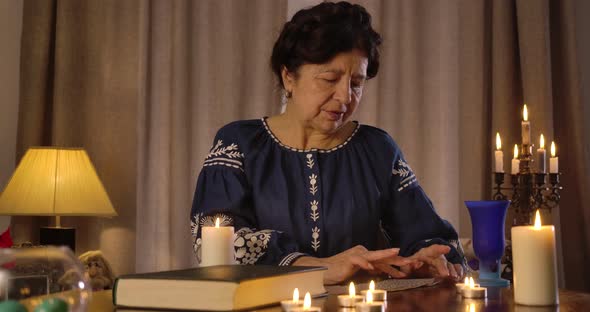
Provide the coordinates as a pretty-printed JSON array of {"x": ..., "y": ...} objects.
[
  {"x": 250, "y": 245},
  {"x": 224, "y": 192},
  {"x": 225, "y": 154},
  {"x": 409, "y": 219}
]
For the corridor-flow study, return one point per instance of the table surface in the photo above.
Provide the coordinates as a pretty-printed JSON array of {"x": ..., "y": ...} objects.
[{"x": 442, "y": 297}]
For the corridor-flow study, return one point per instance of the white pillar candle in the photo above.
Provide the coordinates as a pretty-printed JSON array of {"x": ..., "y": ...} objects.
[
  {"x": 515, "y": 168},
  {"x": 526, "y": 127},
  {"x": 351, "y": 299},
  {"x": 369, "y": 305},
  {"x": 378, "y": 294},
  {"x": 499, "y": 155},
  {"x": 553, "y": 163},
  {"x": 217, "y": 245},
  {"x": 534, "y": 261},
  {"x": 541, "y": 156}
]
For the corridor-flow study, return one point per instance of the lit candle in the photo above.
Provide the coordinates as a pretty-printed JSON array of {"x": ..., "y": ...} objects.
[
  {"x": 307, "y": 305},
  {"x": 553, "y": 164},
  {"x": 515, "y": 161},
  {"x": 541, "y": 155},
  {"x": 289, "y": 305},
  {"x": 351, "y": 299},
  {"x": 474, "y": 291},
  {"x": 499, "y": 155},
  {"x": 378, "y": 294},
  {"x": 369, "y": 305},
  {"x": 460, "y": 286},
  {"x": 526, "y": 127},
  {"x": 217, "y": 245},
  {"x": 534, "y": 261}
]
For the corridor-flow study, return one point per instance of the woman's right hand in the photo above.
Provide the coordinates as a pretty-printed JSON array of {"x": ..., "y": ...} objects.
[{"x": 344, "y": 265}]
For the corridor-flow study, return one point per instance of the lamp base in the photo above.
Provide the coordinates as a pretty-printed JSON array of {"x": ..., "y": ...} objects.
[{"x": 58, "y": 236}]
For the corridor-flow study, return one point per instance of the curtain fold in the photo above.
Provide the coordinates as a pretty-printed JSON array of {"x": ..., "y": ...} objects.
[{"x": 144, "y": 86}]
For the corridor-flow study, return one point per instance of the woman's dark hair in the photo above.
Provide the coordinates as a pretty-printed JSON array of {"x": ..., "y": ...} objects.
[{"x": 317, "y": 34}]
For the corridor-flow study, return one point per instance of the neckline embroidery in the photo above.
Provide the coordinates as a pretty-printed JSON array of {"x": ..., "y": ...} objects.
[{"x": 319, "y": 150}]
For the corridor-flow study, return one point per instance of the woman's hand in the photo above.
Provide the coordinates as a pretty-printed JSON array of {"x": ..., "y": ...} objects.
[
  {"x": 344, "y": 265},
  {"x": 431, "y": 262}
]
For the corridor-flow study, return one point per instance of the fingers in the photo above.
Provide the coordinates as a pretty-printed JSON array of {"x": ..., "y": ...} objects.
[
  {"x": 387, "y": 269},
  {"x": 440, "y": 265},
  {"x": 377, "y": 255},
  {"x": 435, "y": 250},
  {"x": 460, "y": 271},
  {"x": 361, "y": 262},
  {"x": 452, "y": 271}
]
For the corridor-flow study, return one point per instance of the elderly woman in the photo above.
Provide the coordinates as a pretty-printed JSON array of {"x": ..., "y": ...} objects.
[{"x": 312, "y": 187}]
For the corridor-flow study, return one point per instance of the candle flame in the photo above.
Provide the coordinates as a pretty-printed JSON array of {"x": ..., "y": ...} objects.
[
  {"x": 307, "y": 301},
  {"x": 498, "y": 141},
  {"x": 369, "y": 298},
  {"x": 351, "y": 290},
  {"x": 472, "y": 307},
  {"x": 372, "y": 285},
  {"x": 515, "y": 151},
  {"x": 466, "y": 281},
  {"x": 552, "y": 149},
  {"x": 217, "y": 222},
  {"x": 296, "y": 295},
  {"x": 537, "y": 220},
  {"x": 542, "y": 142},
  {"x": 471, "y": 283},
  {"x": 525, "y": 113}
]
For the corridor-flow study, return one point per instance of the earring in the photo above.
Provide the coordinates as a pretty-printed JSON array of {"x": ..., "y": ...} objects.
[{"x": 288, "y": 94}]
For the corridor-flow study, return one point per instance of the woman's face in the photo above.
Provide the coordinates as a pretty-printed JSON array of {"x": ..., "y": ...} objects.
[{"x": 325, "y": 95}]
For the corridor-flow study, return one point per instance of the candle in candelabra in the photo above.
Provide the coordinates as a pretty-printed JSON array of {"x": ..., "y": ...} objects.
[
  {"x": 541, "y": 155},
  {"x": 515, "y": 161},
  {"x": 553, "y": 164},
  {"x": 526, "y": 127},
  {"x": 499, "y": 155}
]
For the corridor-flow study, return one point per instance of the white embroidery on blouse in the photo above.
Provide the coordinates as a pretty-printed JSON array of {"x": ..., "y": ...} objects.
[
  {"x": 310, "y": 161},
  {"x": 229, "y": 155},
  {"x": 195, "y": 233},
  {"x": 250, "y": 245},
  {"x": 311, "y": 149},
  {"x": 224, "y": 220},
  {"x": 315, "y": 234},
  {"x": 314, "y": 210},
  {"x": 313, "y": 181},
  {"x": 404, "y": 171}
]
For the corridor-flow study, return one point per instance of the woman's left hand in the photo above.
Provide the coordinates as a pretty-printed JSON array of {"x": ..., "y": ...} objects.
[{"x": 431, "y": 262}]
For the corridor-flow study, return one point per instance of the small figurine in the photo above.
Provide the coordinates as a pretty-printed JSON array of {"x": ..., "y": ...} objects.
[{"x": 97, "y": 270}]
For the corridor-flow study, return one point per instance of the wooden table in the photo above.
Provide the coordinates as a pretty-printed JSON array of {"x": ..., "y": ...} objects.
[{"x": 442, "y": 297}]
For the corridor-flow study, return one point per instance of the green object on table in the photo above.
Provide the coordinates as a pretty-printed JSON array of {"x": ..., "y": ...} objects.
[
  {"x": 12, "y": 306},
  {"x": 52, "y": 305}
]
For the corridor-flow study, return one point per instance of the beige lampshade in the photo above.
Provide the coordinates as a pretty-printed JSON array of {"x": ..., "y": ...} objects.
[{"x": 55, "y": 182}]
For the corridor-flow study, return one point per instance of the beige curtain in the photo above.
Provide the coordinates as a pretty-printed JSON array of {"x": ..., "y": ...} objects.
[
  {"x": 207, "y": 63},
  {"x": 145, "y": 85}
]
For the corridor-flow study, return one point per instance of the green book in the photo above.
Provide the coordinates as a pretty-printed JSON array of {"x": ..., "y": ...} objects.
[{"x": 217, "y": 288}]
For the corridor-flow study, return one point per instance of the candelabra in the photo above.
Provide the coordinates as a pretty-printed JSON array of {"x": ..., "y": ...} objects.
[
  {"x": 530, "y": 192},
  {"x": 529, "y": 189}
]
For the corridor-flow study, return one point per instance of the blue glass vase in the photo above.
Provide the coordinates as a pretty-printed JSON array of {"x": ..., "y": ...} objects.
[{"x": 487, "y": 220}]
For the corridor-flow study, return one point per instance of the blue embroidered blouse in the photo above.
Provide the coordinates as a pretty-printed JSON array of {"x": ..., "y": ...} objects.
[{"x": 285, "y": 202}]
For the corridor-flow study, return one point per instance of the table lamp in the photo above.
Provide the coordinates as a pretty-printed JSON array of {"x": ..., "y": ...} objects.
[{"x": 52, "y": 181}]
